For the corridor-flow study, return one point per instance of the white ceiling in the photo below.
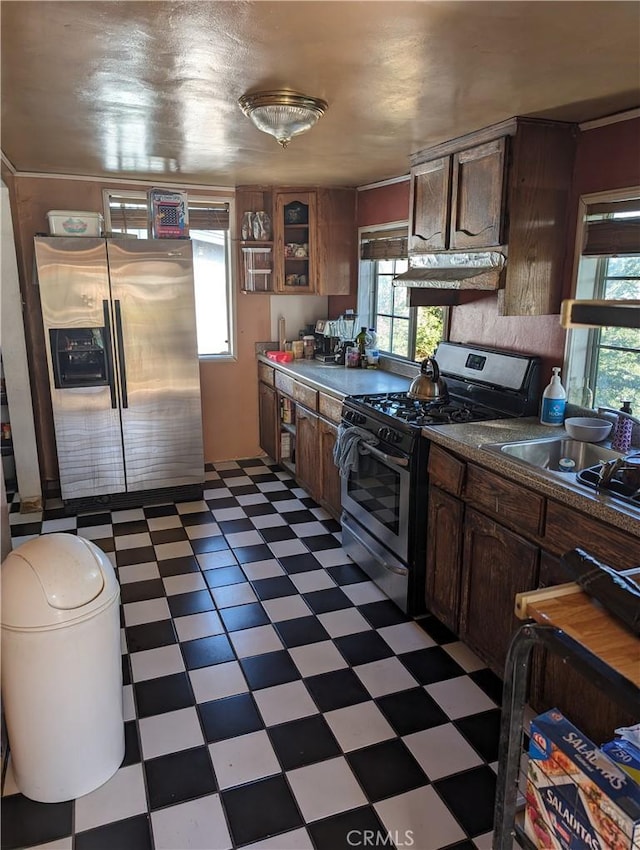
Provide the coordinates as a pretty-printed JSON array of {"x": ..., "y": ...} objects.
[{"x": 149, "y": 90}]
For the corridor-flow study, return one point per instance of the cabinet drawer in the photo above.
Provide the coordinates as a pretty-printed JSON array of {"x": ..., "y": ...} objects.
[
  {"x": 284, "y": 383},
  {"x": 297, "y": 391},
  {"x": 517, "y": 507},
  {"x": 446, "y": 471},
  {"x": 305, "y": 395},
  {"x": 266, "y": 374},
  {"x": 330, "y": 407},
  {"x": 567, "y": 529}
]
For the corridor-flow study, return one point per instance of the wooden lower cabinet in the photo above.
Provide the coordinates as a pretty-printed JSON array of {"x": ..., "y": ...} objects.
[
  {"x": 269, "y": 420},
  {"x": 496, "y": 564},
  {"x": 307, "y": 465},
  {"x": 329, "y": 475},
  {"x": 476, "y": 565},
  {"x": 444, "y": 548},
  {"x": 299, "y": 428},
  {"x": 555, "y": 684}
]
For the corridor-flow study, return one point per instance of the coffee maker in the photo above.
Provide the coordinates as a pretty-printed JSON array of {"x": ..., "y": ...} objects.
[{"x": 327, "y": 340}]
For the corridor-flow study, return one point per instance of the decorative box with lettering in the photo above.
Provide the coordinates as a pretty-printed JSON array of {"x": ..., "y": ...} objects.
[{"x": 576, "y": 793}]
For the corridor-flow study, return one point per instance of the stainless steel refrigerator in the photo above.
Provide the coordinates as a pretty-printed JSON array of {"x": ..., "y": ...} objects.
[{"x": 120, "y": 329}]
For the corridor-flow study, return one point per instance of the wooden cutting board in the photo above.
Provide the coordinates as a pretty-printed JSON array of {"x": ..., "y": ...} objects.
[{"x": 566, "y": 607}]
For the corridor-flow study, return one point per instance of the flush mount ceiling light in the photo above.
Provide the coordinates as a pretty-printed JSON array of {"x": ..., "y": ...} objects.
[{"x": 282, "y": 114}]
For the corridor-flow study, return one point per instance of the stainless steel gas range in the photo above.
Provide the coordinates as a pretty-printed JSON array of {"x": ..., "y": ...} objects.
[{"x": 384, "y": 500}]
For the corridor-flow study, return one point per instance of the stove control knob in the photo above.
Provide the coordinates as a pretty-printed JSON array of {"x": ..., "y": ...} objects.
[
  {"x": 354, "y": 417},
  {"x": 389, "y": 435}
]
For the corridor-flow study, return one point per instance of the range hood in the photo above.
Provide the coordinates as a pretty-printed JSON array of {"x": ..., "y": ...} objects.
[{"x": 477, "y": 270}]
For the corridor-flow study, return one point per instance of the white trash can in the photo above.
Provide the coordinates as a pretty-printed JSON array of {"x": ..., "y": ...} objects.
[{"x": 61, "y": 667}]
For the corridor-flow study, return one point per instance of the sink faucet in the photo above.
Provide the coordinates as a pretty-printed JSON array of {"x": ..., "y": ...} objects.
[{"x": 614, "y": 412}]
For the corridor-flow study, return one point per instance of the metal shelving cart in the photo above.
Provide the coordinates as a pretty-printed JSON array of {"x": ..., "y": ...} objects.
[{"x": 559, "y": 626}]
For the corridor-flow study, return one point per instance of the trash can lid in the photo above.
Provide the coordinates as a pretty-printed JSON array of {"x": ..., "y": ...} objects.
[{"x": 48, "y": 579}]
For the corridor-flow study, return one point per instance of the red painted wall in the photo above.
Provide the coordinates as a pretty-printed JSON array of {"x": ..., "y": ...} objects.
[
  {"x": 607, "y": 158},
  {"x": 383, "y": 204},
  {"x": 379, "y": 205}
]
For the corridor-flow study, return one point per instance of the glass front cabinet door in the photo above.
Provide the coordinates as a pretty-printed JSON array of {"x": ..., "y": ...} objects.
[{"x": 295, "y": 242}]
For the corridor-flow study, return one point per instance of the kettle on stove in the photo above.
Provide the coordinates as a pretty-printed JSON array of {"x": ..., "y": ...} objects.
[{"x": 428, "y": 385}]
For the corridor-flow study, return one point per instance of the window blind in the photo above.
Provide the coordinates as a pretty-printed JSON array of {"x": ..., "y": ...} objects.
[
  {"x": 391, "y": 244},
  {"x": 612, "y": 237},
  {"x": 132, "y": 214}
]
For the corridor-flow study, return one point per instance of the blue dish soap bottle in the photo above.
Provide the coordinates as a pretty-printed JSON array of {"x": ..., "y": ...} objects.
[{"x": 554, "y": 401}]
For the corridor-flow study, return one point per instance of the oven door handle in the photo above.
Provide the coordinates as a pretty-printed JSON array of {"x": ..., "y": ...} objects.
[{"x": 368, "y": 449}]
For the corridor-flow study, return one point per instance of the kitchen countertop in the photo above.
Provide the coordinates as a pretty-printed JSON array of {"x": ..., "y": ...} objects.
[
  {"x": 467, "y": 441},
  {"x": 340, "y": 381}
]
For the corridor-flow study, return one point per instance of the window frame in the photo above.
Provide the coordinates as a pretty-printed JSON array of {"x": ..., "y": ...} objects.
[
  {"x": 367, "y": 290},
  {"x": 582, "y": 346},
  {"x": 141, "y": 195}
]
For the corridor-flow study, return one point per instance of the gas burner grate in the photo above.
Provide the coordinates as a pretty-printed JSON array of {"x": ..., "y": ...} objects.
[{"x": 400, "y": 407}]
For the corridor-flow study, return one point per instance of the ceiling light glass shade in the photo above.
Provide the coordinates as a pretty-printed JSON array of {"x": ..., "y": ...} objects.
[{"x": 282, "y": 114}]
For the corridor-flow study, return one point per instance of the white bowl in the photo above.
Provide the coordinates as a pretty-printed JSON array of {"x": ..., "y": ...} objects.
[{"x": 587, "y": 428}]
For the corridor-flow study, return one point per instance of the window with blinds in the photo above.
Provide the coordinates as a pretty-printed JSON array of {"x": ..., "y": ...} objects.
[
  {"x": 127, "y": 212},
  {"x": 130, "y": 215},
  {"x": 603, "y": 363},
  {"x": 411, "y": 333},
  {"x": 389, "y": 244}
]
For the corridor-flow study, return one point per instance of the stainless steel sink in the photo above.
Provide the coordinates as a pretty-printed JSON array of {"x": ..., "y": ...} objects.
[{"x": 557, "y": 454}]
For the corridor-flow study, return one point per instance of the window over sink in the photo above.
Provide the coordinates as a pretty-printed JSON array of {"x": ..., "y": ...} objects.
[{"x": 603, "y": 364}]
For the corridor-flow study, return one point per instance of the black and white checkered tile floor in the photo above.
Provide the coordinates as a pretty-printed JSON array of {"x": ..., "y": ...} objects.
[{"x": 274, "y": 698}]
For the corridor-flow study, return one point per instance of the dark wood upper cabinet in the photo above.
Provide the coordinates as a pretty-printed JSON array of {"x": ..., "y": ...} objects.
[
  {"x": 429, "y": 199},
  {"x": 505, "y": 188},
  {"x": 477, "y": 201},
  {"x": 314, "y": 241}
]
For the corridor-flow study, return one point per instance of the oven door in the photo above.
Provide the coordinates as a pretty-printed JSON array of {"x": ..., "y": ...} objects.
[{"x": 377, "y": 496}]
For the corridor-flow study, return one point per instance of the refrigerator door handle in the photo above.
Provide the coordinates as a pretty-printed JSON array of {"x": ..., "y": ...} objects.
[
  {"x": 109, "y": 353},
  {"x": 123, "y": 368}
]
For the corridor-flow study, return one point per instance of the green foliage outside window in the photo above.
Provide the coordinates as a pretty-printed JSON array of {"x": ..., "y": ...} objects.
[{"x": 615, "y": 367}]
